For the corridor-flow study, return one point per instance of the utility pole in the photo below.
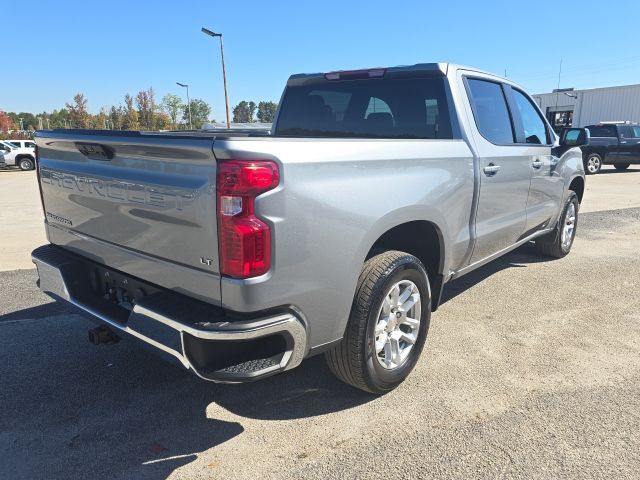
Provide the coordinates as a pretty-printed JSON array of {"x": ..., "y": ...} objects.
[{"x": 224, "y": 72}]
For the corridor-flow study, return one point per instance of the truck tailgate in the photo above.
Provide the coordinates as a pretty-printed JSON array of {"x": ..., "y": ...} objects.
[{"x": 140, "y": 203}]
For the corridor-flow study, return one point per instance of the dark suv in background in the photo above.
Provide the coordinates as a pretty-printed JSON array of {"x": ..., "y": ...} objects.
[{"x": 616, "y": 144}]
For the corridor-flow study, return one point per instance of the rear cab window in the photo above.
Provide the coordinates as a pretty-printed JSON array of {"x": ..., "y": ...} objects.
[
  {"x": 392, "y": 108},
  {"x": 602, "y": 131},
  {"x": 490, "y": 111}
]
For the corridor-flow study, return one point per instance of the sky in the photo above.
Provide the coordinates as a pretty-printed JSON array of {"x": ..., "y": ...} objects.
[{"x": 106, "y": 49}]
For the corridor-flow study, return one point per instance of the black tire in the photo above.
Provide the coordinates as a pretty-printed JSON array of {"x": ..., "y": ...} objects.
[
  {"x": 592, "y": 163},
  {"x": 551, "y": 245},
  {"x": 26, "y": 163},
  {"x": 621, "y": 166},
  {"x": 354, "y": 360}
]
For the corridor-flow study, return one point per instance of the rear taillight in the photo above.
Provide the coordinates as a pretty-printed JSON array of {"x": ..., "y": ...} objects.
[{"x": 244, "y": 239}]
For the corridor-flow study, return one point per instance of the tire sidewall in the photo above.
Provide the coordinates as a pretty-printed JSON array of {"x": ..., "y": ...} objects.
[
  {"x": 573, "y": 198},
  {"x": 380, "y": 377}
]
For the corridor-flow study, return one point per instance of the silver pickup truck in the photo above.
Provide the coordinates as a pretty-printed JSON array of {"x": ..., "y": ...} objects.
[{"x": 238, "y": 254}]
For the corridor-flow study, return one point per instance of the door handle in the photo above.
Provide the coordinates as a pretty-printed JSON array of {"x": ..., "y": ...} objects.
[
  {"x": 491, "y": 169},
  {"x": 537, "y": 164}
]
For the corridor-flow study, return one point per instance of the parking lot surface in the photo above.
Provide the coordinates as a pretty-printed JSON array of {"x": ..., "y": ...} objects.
[{"x": 531, "y": 370}]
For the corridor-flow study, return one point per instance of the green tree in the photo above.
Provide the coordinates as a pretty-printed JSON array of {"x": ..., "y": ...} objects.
[
  {"x": 243, "y": 112},
  {"x": 116, "y": 117},
  {"x": 130, "y": 120},
  {"x": 267, "y": 111},
  {"x": 200, "y": 111},
  {"x": 145, "y": 101},
  {"x": 172, "y": 104},
  {"x": 78, "y": 114},
  {"x": 59, "y": 118}
]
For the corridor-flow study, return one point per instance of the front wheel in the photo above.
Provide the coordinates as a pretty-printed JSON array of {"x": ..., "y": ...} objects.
[
  {"x": 558, "y": 243},
  {"x": 592, "y": 164},
  {"x": 25, "y": 163},
  {"x": 388, "y": 324},
  {"x": 621, "y": 166}
]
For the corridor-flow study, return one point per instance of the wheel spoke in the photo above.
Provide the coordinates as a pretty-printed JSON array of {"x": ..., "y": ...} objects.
[
  {"x": 394, "y": 295},
  {"x": 395, "y": 350},
  {"x": 408, "y": 305},
  {"x": 406, "y": 293},
  {"x": 399, "y": 335},
  {"x": 411, "y": 322},
  {"x": 386, "y": 305},
  {"x": 388, "y": 354}
]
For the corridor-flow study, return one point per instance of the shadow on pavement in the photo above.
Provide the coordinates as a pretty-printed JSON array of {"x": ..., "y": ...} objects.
[
  {"x": 632, "y": 168},
  {"x": 519, "y": 258},
  {"x": 69, "y": 408}
]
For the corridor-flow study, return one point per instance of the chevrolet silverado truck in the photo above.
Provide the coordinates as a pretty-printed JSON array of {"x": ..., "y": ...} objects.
[
  {"x": 616, "y": 143},
  {"x": 239, "y": 254}
]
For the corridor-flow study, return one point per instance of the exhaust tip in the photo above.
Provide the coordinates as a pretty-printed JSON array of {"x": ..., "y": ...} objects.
[{"x": 102, "y": 335}]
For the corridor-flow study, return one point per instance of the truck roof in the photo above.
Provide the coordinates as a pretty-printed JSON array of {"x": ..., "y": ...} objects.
[{"x": 437, "y": 68}]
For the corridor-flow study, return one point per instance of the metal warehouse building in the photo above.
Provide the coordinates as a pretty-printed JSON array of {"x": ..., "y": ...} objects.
[{"x": 576, "y": 108}]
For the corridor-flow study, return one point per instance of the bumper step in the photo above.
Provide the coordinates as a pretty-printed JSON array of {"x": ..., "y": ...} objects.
[{"x": 199, "y": 336}]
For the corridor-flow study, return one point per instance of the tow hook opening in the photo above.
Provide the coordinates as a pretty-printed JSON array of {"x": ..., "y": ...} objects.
[{"x": 103, "y": 335}]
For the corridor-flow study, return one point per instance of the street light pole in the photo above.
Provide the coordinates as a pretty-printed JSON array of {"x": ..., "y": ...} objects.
[
  {"x": 224, "y": 72},
  {"x": 188, "y": 102}
]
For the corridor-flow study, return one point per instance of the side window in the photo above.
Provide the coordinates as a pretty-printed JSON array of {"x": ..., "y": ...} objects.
[
  {"x": 30, "y": 145},
  {"x": 625, "y": 132},
  {"x": 636, "y": 132},
  {"x": 535, "y": 130},
  {"x": 490, "y": 111}
]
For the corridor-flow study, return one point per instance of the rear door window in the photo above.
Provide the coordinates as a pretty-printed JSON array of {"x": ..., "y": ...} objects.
[
  {"x": 490, "y": 111},
  {"x": 367, "y": 108}
]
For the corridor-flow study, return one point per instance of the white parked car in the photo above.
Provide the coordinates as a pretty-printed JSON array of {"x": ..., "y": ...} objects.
[
  {"x": 20, "y": 153},
  {"x": 23, "y": 144}
]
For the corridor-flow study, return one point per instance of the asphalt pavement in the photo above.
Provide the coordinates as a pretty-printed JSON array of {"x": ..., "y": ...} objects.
[{"x": 531, "y": 370}]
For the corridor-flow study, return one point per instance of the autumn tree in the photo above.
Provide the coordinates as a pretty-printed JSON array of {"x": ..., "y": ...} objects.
[
  {"x": 5, "y": 122},
  {"x": 200, "y": 111},
  {"x": 162, "y": 121},
  {"x": 172, "y": 104},
  {"x": 267, "y": 111},
  {"x": 78, "y": 114}
]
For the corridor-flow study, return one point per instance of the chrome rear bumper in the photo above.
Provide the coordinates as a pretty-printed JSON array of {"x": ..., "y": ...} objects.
[{"x": 188, "y": 331}]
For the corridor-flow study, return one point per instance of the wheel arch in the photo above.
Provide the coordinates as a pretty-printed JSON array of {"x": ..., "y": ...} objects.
[
  {"x": 602, "y": 151},
  {"x": 425, "y": 240},
  {"x": 577, "y": 185}
]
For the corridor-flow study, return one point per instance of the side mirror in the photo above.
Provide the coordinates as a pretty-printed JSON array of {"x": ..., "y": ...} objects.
[{"x": 574, "y": 137}]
